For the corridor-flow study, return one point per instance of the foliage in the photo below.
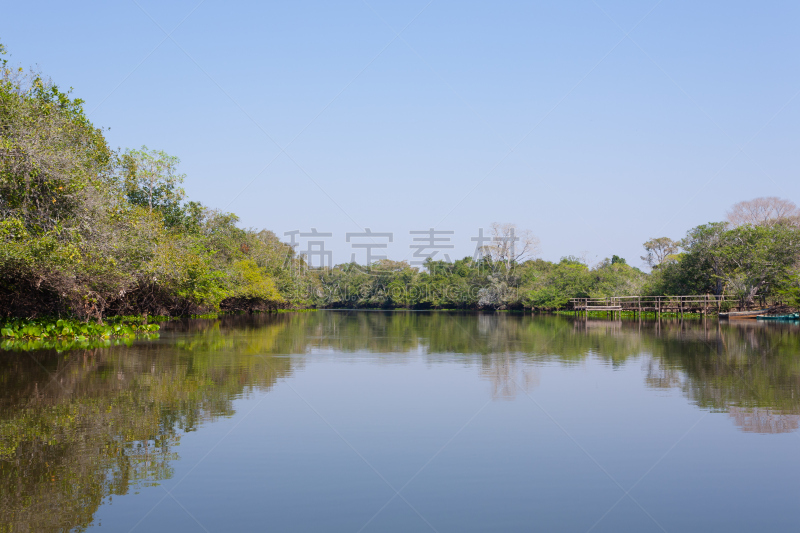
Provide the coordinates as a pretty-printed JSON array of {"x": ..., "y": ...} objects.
[
  {"x": 746, "y": 261},
  {"x": 659, "y": 251},
  {"x": 76, "y": 343},
  {"x": 759, "y": 258},
  {"x": 150, "y": 179},
  {"x": 88, "y": 232},
  {"x": 62, "y": 329},
  {"x": 470, "y": 284}
]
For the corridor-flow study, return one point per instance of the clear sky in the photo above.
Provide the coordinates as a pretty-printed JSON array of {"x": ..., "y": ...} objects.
[{"x": 597, "y": 125}]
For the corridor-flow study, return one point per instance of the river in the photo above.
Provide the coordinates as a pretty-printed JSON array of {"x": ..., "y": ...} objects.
[{"x": 374, "y": 421}]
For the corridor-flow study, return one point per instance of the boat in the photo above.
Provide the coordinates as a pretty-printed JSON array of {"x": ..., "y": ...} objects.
[
  {"x": 744, "y": 314},
  {"x": 791, "y": 316}
]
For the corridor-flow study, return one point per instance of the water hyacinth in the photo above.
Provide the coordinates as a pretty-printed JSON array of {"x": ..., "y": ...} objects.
[
  {"x": 63, "y": 345},
  {"x": 72, "y": 330}
]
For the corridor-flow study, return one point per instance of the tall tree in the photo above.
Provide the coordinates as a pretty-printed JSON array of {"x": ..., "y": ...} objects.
[
  {"x": 764, "y": 211},
  {"x": 703, "y": 245},
  {"x": 509, "y": 245},
  {"x": 758, "y": 258},
  {"x": 659, "y": 250},
  {"x": 151, "y": 179},
  {"x": 52, "y": 158}
]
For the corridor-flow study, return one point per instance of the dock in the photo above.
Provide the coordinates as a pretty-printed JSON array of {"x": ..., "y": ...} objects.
[{"x": 701, "y": 304}]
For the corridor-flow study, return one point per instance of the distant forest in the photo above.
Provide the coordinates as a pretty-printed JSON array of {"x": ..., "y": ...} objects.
[{"x": 88, "y": 231}]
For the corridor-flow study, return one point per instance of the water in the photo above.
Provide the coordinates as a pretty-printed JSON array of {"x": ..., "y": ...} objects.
[{"x": 371, "y": 421}]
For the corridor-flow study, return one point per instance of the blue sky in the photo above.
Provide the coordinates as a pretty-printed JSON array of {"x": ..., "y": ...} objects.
[{"x": 596, "y": 125}]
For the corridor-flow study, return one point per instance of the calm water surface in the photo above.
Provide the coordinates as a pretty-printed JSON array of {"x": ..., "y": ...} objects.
[{"x": 371, "y": 421}]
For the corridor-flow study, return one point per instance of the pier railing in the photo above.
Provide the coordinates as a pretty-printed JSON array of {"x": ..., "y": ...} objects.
[{"x": 703, "y": 303}]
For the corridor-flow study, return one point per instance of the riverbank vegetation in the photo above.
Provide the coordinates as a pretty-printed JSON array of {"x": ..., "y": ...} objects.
[
  {"x": 90, "y": 232},
  {"x": 66, "y": 334}
]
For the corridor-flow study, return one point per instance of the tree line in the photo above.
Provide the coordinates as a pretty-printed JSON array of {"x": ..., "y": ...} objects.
[
  {"x": 89, "y": 231},
  {"x": 753, "y": 255}
]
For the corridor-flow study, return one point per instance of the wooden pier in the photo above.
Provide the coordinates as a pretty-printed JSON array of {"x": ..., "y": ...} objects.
[{"x": 701, "y": 304}]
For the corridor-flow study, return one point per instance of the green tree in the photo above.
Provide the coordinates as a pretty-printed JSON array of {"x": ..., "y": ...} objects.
[
  {"x": 659, "y": 251},
  {"x": 150, "y": 178},
  {"x": 759, "y": 258},
  {"x": 704, "y": 265}
]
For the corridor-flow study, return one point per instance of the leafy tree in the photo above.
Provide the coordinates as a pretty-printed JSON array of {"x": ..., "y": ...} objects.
[
  {"x": 53, "y": 159},
  {"x": 54, "y": 168},
  {"x": 570, "y": 278},
  {"x": 150, "y": 179},
  {"x": 758, "y": 258},
  {"x": 703, "y": 245},
  {"x": 659, "y": 250}
]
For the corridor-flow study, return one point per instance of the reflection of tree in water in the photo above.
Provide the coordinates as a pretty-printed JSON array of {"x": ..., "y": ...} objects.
[
  {"x": 715, "y": 365},
  {"x": 759, "y": 420},
  {"x": 741, "y": 367},
  {"x": 658, "y": 376},
  {"x": 508, "y": 376},
  {"x": 80, "y": 427}
]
